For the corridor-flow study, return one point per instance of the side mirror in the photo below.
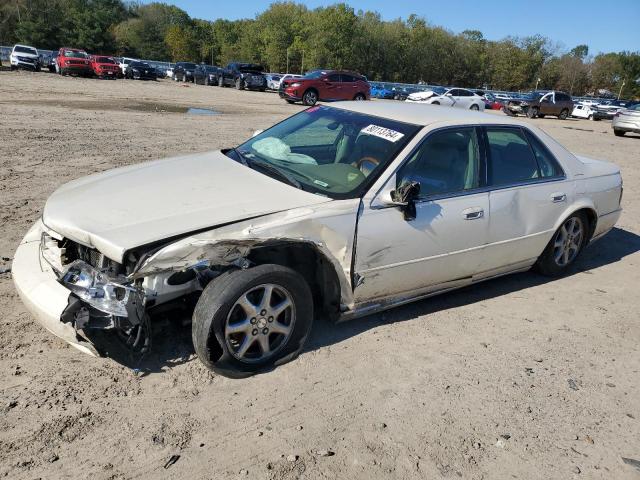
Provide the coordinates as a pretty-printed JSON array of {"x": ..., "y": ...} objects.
[{"x": 403, "y": 197}]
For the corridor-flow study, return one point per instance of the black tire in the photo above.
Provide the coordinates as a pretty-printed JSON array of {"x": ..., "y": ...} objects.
[
  {"x": 290, "y": 101},
  {"x": 359, "y": 97},
  {"x": 217, "y": 302},
  {"x": 618, "y": 133},
  {"x": 310, "y": 97},
  {"x": 541, "y": 115},
  {"x": 532, "y": 112},
  {"x": 239, "y": 84},
  {"x": 435, "y": 103},
  {"x": 547, "y": 263},
  {"x": 475, "y": 107},
  {"x": 262, "y": 89},
  {"x": 564, "y": 114}
]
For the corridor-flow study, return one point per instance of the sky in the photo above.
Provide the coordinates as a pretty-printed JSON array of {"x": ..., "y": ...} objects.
[{"x": 605, "y": 26}]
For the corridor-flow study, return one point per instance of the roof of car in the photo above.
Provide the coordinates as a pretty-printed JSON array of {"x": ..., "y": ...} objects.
[{"x": 422, "y": 113}]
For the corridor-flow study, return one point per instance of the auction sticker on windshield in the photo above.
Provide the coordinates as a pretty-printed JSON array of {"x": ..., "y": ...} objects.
[{"x": 382, "y": 132}]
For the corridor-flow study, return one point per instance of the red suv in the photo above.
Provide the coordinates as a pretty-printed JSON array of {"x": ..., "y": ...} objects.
[
  {"x": 325, "y": 85},
  {"x": 104, "y": 67},
  {"x": 73, "y": 60}
]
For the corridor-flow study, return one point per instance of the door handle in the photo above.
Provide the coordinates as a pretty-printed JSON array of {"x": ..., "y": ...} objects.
[
  {"x": 473, "y": 213},
  {"x": 558, "y": 197}
]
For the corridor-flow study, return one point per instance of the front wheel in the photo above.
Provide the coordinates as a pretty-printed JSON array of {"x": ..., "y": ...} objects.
[
  {"x": 310, "y": 98},
  {"x": 532, "y": 112},
  {"x": 564, "y": 247},
  {"x": 249, "y": 320}
]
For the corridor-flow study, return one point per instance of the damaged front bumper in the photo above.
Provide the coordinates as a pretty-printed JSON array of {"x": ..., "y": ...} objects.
[{"x": 75, "y": 301}]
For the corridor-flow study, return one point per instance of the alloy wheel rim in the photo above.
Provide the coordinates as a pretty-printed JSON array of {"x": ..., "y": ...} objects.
[
  {"x": 260, "y": 323},
  {"x": 567, "y": 241},
  {"x": 311, "y": 97}
]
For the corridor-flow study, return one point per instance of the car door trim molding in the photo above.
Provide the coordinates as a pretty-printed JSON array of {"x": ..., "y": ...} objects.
[{"x": 449, "y": 254}]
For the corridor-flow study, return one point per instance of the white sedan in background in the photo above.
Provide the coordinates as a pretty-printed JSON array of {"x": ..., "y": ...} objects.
[
  {"x": 452, "y": 97},
  {"x": 388, "y": 203}
]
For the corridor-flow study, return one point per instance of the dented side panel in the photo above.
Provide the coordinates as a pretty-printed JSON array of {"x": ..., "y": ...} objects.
[{"x": 329, "y": 228}]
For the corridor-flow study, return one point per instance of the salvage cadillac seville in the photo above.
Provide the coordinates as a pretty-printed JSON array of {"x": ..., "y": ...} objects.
[{"x": 337, "y": 211}]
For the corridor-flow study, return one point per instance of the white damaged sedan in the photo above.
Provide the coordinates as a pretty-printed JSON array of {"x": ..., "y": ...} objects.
[{"x": 337, "y": 211}]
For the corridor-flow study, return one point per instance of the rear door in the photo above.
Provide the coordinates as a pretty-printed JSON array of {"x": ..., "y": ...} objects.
[
  {"x": 348, "y": 87},
  {"x": 528, "y": 194}
]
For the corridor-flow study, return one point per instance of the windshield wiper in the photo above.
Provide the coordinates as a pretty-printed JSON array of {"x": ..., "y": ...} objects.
[{"x": 268, "y": 167}]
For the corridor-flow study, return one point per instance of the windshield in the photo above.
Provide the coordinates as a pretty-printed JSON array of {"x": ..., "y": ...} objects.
[
  {"x": 188, "y": 65},
  {"x": 19, "y": 49},
  {"x": 250, "y": 67},
  {"x": 74, "y": 54},
  {"x": 139, "y": 64},
  {"x": 327, "y": 150},
  {"x": 104, "y": 60},
  {"x": 211, "y": 69}
]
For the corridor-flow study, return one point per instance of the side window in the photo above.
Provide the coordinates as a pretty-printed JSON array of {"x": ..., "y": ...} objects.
[
  {"x": 549, "y": 166},
  {"x": 464, "y": 93},
  {"x": 335, "y": 77},
  {"x": 511, "y": 158},
  {"x": 348, "y": 78},
  {"x": 447, "y": 162}
]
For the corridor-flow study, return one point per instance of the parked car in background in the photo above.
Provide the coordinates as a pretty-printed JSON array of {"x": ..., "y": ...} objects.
[
  {"x": 169, "y": 72},
  {"x": 581, "y": 110},
  {"x": 243, "y": 76},
  {"x": 137, "y": 70},
  {"x": 402, "y": 93},
  {"x": 452, "y": 97},
  {"x": 627, "y": 120},
  {"x": 124, "y": 63},
  {"x": 104, "y": 67},
  {"x": 183, "y": 71},
  {"x": 206, "y": 75},
  {"x": 24, "y": 56},
  {"x": 53, "y": 62},
  {"x": 73, "y": 61},
  {"x": 380, "y": 90},
  {"x": 273, "y": 80},
  {"x": 608, "y": 109},
  {"x": 325, "y": 85},
  {"x": 540, "y": 104},
  {"x": 491, "y": 102},
  {"x": 281, "y": 231}
]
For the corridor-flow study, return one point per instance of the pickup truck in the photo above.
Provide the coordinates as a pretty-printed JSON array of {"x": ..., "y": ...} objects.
[{"x": 248, "y": 76}]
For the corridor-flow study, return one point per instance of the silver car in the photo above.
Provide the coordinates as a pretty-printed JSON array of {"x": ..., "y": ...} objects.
[
  {"x": 627, "y": 120},
  {"x": 337, "y": 211}
]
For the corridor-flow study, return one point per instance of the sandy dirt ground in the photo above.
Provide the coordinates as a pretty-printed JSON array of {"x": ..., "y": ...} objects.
[{"x": 519, "y": 377}]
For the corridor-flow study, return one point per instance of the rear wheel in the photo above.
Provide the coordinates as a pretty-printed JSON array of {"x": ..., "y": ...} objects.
[
  {"x": 563, "y": 114},
  {"x": 249, "y": 320},
  {"x": 590, "y": 117},
  {"x": 310, "y": 97},
  {"x": 359, "y": 97},
  {"x": 618, "y": 133},
  {"x": 475, "y": 107},
  {"x": 565, "y": 246}
]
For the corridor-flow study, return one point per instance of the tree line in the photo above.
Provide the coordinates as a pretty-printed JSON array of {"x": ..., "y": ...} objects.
[{"x": 288, "y": 36}]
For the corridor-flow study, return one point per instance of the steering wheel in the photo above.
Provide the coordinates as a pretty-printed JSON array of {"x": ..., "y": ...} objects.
[{"x": 363, "y": 163}]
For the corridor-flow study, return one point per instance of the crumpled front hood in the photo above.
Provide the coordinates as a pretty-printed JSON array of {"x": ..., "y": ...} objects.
[
  {"x": 124, "y": 208},
  {"x": 422, "y": 95}
]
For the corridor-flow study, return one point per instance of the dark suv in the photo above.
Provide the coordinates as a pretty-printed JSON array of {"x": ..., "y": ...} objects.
[
  {"x": 243, "y": 75},
  {"x": 206, "y": 75},
  {"x": 325, "y": 85},
  {"x": 183, "y": 72},
  {"x": 540, "y": 104}
]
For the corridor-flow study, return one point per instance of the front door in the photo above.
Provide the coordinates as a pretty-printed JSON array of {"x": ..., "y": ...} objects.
[{"x": 397, "y": 257}]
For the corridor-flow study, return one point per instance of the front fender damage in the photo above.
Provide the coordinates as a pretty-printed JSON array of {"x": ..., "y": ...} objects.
[{"x": 230, "y": 246}]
